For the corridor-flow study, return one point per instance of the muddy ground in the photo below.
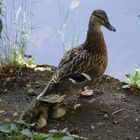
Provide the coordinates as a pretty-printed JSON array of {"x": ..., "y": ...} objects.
[{"x": 110, "y": 114}]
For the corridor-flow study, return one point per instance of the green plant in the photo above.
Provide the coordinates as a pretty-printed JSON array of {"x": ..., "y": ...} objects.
[
  {"x": 16, "y": 132},
  {"x": 132, "y": 81},
  {"x": 30, "y": 61},
  {"x": 16, "y": 31}
]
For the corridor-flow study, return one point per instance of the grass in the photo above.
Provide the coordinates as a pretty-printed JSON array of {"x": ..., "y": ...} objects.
[
  {"x": 64, "y": 19},
  {"x": 16, "y": 31}
]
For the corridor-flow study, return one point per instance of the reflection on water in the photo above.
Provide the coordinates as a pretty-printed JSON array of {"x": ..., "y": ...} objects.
[{"x": 123, "y": 45}]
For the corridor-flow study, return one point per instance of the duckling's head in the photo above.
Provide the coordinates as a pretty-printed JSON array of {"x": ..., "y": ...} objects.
[{"x": 99, "y": 18}]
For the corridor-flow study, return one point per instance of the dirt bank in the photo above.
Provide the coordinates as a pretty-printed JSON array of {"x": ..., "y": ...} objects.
[{"x": 110, "y": 114}]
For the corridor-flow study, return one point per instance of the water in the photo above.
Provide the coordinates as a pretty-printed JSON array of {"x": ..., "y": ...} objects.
[{"x": 123, "y": 45}]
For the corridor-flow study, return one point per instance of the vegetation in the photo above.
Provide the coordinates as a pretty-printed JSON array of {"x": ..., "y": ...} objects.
[
  {"x": 21, "y": 131},
  {"x": 132, "y": 81},
  {"x": 15, "y": 33},
  {"x": 64, "y": 16}
]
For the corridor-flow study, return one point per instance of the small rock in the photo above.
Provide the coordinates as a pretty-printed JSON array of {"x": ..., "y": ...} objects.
[
  {"x": 106, "y": 115},
  {"x": 5, "y": 90},
  {"x": 137, "y": 119},
  {"x": 7, "y": 120},
  {"x": 108, "y": 131},
  {"x": 28, "y": 85},
  {"x": 87, "y": 93},
  {"x": 76, "y": 106},
  {"x": 100, "y": 123},
  {"x": 92, "y": 127},
  {"x": 2, "y": 111},
  {"x": 15, "y": 114}
]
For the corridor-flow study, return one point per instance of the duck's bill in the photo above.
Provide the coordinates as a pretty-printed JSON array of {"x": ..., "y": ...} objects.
[{"x": 110, "y": 27}]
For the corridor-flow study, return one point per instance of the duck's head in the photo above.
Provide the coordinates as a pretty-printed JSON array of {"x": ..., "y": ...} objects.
[{"x": 99, "y": 18}]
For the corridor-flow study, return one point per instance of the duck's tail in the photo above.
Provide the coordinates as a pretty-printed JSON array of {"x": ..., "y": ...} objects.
[
  {"x": 47, "y": 89},
  {"x": 55, "y": 92}
]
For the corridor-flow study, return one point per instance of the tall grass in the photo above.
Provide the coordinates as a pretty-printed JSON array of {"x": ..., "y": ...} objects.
[
  {"x": 15, "y": 36},
  {"x": 64, "y": 16}
]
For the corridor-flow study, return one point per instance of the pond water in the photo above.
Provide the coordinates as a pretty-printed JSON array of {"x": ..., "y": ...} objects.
[{"x": 123, "y": 45}]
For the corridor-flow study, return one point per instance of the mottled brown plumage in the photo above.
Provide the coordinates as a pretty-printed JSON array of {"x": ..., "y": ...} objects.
[{"x": 85, "y": 63}]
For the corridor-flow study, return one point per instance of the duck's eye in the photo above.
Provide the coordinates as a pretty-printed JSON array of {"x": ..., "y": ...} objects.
[{"x": 99, "y": 16}]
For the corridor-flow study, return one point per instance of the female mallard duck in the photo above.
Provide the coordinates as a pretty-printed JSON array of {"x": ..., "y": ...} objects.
[{"x": 87, "y": 62}]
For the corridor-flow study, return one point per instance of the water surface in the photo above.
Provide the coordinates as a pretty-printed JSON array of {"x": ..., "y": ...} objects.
[{"x": 123, "y": 45}]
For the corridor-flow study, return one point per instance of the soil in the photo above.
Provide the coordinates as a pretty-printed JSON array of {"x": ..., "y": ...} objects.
[{"x": 112, "y": 113}]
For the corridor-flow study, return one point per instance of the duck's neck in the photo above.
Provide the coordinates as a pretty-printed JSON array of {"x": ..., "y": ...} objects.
[{"x": 95, "y": 41}]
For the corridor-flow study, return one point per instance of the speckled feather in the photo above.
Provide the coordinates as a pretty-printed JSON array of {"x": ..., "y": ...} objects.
[{"x": 89, "y": 58}]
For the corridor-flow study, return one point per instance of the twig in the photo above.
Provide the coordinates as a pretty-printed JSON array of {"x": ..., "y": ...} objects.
[
  {"x": 40, "y": 85},
  {"x": 118, "y": 111}
]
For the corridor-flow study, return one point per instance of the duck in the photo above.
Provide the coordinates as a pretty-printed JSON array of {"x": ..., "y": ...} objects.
[{"x": 83, "y": 64}]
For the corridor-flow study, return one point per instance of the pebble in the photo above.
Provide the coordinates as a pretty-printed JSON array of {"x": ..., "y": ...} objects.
[
  {"x": 100, "y": 123},
  {"x": 87, "y": 93},
  {"x": 15, "y": 114},
  {"x": 7, "y": 120},
  {"x": 109, "y": 131},
  {"x": 76, "y": 106},
  {"x": 106, "y": 115},
  {"x": 2, "y": 111},
  {"x": 92, "y": 127},
  {"x": 137, "y": 119}
]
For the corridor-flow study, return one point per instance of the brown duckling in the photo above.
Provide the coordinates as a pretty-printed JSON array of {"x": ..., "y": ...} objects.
[{"x": 82, "y": 64}]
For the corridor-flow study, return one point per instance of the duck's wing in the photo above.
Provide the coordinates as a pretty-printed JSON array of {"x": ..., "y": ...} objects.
[
  {"x": 71, "y": 64},
  {"x": 71, "y": 67}
]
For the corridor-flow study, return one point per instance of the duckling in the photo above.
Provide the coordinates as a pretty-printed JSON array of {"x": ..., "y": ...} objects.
[{"x": 83, "y": 64}]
